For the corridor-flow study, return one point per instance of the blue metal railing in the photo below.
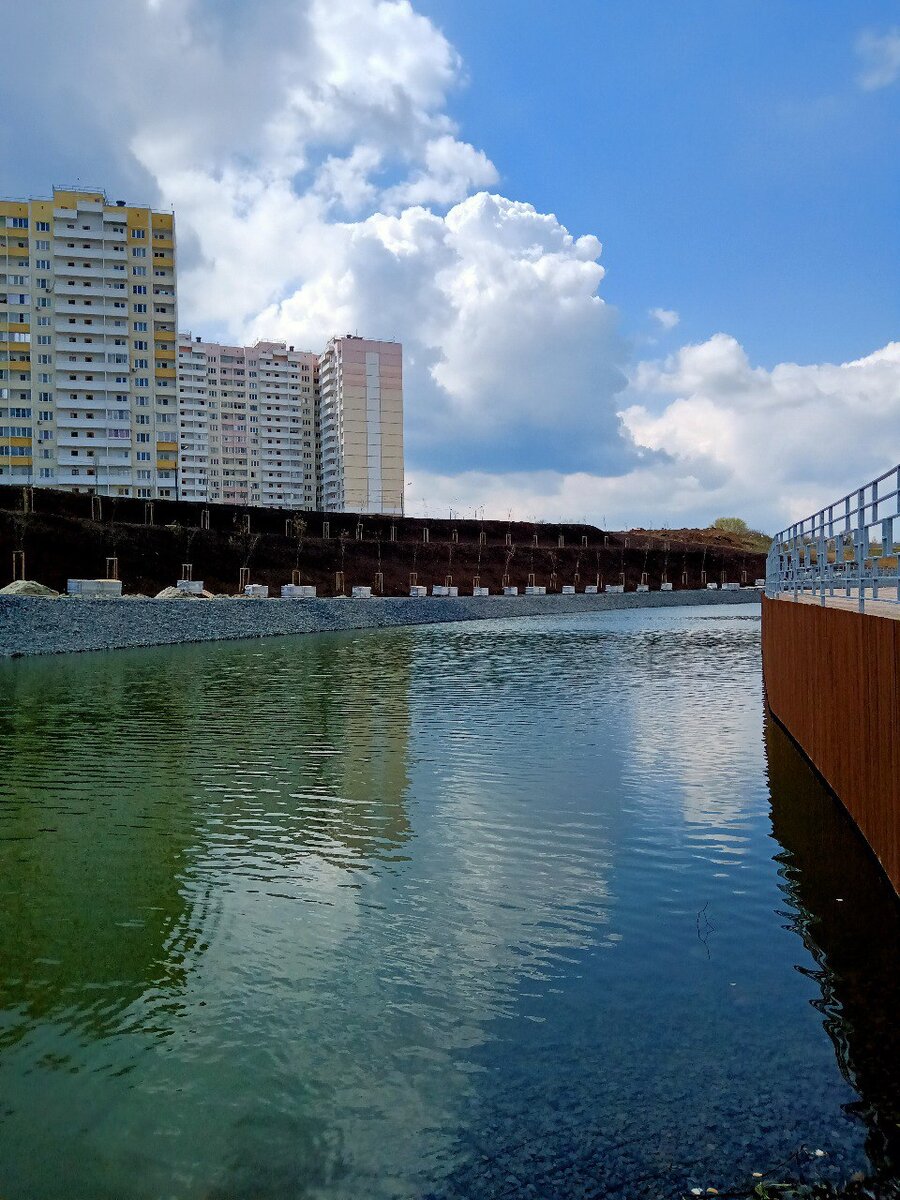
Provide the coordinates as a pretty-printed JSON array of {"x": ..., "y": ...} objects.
[{"x": 847, "y": 549}]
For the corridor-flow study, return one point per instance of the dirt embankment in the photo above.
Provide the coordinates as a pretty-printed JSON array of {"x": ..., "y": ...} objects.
[{"x": 63, "y": 535}]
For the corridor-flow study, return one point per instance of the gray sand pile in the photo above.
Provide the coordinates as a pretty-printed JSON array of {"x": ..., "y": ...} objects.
[
  {"x": 172, "y": 593},
  {"x": 27, "y": 587}
]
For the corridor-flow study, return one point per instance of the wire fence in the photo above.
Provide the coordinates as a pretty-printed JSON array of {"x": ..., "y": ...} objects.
[{"x": 847, "y": 549}]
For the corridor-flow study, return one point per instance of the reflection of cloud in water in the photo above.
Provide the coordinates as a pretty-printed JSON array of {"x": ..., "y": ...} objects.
[{"x": 695, "y": 728}]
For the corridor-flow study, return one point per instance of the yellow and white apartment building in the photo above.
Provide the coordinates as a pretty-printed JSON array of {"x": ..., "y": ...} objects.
[
  {"x": 99, "y": 393},
  {"x": 88, "y": 389}
]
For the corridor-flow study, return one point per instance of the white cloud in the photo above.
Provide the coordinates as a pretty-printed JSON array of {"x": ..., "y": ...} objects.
[
  {"x": 667, "y": 317},
  {"x": 880, "y": 55},
  {"x": 721, "y": 437},
  {"x": 320, "y": 185}
]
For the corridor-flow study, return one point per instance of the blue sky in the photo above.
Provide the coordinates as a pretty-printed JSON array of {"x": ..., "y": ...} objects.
[
  {"x": 723, "y": 151},
  {"x": 445, "y": 174}
]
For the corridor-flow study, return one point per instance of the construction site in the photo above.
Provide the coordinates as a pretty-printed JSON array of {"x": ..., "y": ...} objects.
[{"x": 52, "y": 536}]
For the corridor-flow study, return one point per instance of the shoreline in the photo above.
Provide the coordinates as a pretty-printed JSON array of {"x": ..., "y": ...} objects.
[{"x": 31, "y": 626}]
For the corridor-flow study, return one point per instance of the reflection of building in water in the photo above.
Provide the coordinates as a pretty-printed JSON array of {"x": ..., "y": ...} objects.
[
  {"x": 94, "y": 836},
  {"x": 849, "y": 919},
  {"x": 128, "y": 785}
]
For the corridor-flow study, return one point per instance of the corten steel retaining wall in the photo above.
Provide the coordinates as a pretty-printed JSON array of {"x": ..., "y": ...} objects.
[
  {"x": 832, "y": 679},
  {"x": 35, "y": 626}
]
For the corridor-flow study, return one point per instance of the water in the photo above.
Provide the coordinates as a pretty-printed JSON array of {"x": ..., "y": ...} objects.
[{"x": 526, "y": 908}]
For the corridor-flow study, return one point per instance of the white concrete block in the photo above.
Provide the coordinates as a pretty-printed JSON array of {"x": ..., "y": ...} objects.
[
  {"x": 568, "y": 589},
  {"x": 591, "y": 589},
  {"x": 615, "y": 587},
  {"x": 452, "y": 591},
  {"x": 298, "y": 591},
  {"x": 361, "y": 592},
  {"x": 193, "y": 587},
  {"x": 94, "y": 587},
  {"x": 510, "y": 591},
  {"x": 665, "y": 587},
  {"x": 643, "y": 587},
  {"x": 259, "y": 590},
  {"x": 438, "y": 589},
  {"x": 481, "y": 591},
  {"x": 712, "y": 587},
  {"x": 418, "y": 591}
]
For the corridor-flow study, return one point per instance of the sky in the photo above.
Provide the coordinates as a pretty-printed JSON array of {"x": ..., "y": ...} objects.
[{"x": 642, "y": 256}]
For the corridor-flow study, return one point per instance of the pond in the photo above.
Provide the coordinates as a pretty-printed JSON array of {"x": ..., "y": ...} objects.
[{"x": 535, "y": 907}]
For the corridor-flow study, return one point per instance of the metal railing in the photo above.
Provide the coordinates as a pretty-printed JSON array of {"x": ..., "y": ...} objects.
[{"x": 847, "y": 549}]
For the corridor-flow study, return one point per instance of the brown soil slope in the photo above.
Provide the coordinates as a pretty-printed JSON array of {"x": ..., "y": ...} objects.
[{"x": 63, "y": 535}]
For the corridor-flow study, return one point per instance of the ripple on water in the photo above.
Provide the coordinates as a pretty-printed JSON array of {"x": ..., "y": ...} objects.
[{"x": 439, "y": 911}]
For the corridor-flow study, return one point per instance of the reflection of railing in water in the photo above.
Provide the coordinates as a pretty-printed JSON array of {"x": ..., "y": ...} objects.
[
  {"x": 849, "y": 919},
  {"x": 846, "y": 549}
]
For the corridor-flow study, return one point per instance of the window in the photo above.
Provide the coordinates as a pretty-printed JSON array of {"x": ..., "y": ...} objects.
[
  {"x": 42, "y": 226},
  {"x": 140, "y": 345},
  {"x": 142, "y": 419},
  {"x": 19, "y": 222},
  {"x": 143, "y": 455},
  {"x": 139, "y": 270},
  {"x": 141, "y": 363},
  {"x": 46, "y": 472},
  {"x": 43, "y": 339},
  {"x": 23, "y": 413},
  {"x": 44, "y": 359},
  {"x": 138, "y": 233},
  {"x": 139, "y": 252},
  {"x": 143, "y": 475},
  {"x": 42, "y": 244},
  {"x": 143, "y": 437},
  {"x": 44, "y": 302},
  {"x": 139, "y": 289},
  {"x": 42, "y": 264},
  {"x": 45, "y": 415},
  {"x": 140, "y": 326},
  {"x": 43, "y": 321},
  {"x": 140, "y": 308}
]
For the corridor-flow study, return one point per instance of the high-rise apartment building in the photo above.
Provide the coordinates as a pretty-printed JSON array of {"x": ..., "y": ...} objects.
[
  {"x": 88, "y": 391},
  {"x": 361, "y": 426},
  {"x": 247, "y": 425}
]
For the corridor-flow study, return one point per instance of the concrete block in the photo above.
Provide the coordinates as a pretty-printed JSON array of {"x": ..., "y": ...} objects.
[
  {"x": 438, "y": 589},
  {"x": 94, "y": 587},
  {"x": 481, "y": 591},
  {"x": 510, "y": 591},
  {"x": 615, "y": 587},
  {"x": 712, "y": 587},
  {"x": 568, "y": 589},
  {"x": 591, "y": 589},
  {"x": 193, "y": 587},
  {"x": 452, "y": 591},
  {"x": 418, "y": 591},
  {"x": 643, "y": 587},
  {"x": 259, "y": 590},
  {"x": 665, "y": 587},
  {"x": 361, "y": 592},
  {"x": 298, "y": 591}
]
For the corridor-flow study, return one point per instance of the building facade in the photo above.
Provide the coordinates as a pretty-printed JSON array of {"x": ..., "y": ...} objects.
[
  {"x": 247, "y": 423},
  {"x": 88, "y": 319},
  {"x": 360, "y": 465}
]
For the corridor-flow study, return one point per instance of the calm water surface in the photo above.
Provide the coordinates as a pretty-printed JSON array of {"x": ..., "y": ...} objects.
[{"x": 526, "y": 908}]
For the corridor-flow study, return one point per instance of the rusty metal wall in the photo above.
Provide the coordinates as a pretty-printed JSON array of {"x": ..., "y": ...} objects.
[{"x": 832, "y": 679}]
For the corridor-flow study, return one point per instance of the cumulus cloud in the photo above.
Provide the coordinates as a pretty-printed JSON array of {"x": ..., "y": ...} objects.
[
  {"x": 321, "y": 186},
  {"x": 880, "y": 55},
  {"x": 713, "y": 435},
  {"x": 667, "y": 317}
]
